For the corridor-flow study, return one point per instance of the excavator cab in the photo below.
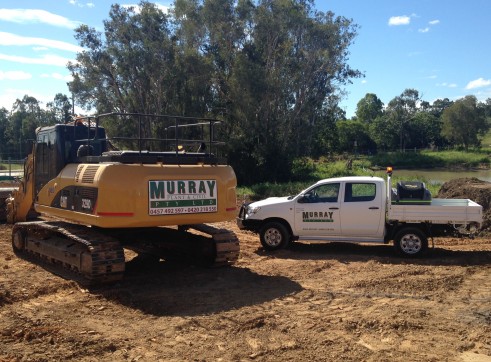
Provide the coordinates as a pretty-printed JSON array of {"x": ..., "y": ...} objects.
[{"x": 62, "y": 144}]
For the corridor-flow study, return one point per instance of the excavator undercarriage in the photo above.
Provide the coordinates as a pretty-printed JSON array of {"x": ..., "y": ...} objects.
[{"x": 95, "y": 256}]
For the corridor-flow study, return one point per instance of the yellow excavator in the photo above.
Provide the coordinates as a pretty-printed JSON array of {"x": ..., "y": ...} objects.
[{"x": 156, "y": 193}]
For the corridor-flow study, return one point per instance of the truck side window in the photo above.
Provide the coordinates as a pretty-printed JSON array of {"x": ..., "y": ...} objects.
[
  {"x": 323, "y": 193},
  {"x": 359, "y": 192}
]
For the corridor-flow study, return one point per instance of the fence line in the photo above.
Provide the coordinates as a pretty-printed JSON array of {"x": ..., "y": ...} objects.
[{"x": 10, "y": 167}]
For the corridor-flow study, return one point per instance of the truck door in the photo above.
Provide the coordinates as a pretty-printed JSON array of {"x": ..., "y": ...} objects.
[
  {"x": 317, "y": 212},
  {"x": 362, "y": 212}
]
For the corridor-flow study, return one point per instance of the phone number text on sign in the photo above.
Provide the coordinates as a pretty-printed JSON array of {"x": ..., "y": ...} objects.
[{"x": 183, "y": 210}]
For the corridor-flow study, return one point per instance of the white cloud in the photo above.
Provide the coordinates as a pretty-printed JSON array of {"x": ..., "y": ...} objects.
[
  {"x": 447, "y": 85},
  {"x": 58, "y": 76},
  {"x": 15, "y": 75},
  {"x": 434, "y": 22},
  {"x": 26, "y": 16},
  {"x": 82, "y": 5},
  {"x": 10, "y": 95},
  {"x": 424, "y": 30},
  {"x": 478, "y": 83},
  {"x": 399, "y": 20},
  {"x": 12, "y": 39},
  {"x": 48, "y": 59}
]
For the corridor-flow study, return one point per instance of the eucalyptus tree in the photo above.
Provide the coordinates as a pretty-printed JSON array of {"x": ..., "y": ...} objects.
[
  {"x": 292, "y": 64},
  {"x": 4, "y": 119},
  {"x": 401, "y": 111},
  {"x": 354, "y": 136},
  {"x": 369, "y": 107},
  {"x": 439, "y": 105},
  {"x": 487, "y": 109},
  {"x": 131, "y": 67},
  {"x": 26, "y": 115},
  {"x": 268, "y": 68},
  {"x": 60, "y": 110},
  {"x": 425, "y": 130},
  {"x": 464, "y": 121},
  {"x": 384, "y": 131}
]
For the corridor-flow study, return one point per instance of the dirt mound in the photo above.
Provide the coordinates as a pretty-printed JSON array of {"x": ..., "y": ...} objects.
[{"x": 470, "y": 188}]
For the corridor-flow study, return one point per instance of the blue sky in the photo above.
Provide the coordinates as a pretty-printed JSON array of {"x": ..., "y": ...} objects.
[{"x": 438, "y": 47}]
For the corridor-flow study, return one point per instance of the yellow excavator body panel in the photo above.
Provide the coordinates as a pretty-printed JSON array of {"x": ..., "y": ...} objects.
[{"x": 117, "y": 195}]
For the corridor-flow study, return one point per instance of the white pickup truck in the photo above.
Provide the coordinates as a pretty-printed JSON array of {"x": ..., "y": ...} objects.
[{"x": 359, "y": 209}]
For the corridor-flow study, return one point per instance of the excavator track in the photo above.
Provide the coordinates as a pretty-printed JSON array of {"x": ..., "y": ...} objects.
[
  {"x": 227, "y": 247},
  {"x": 74, "y": 249}
]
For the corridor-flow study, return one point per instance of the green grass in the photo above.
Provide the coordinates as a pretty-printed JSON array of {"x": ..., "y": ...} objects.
[
  {"x": 432, "y": 159},
  {"x": 13, "y": 166},
  {"x": 268, "y": 189},
  {"x": 486, "y": 141}
]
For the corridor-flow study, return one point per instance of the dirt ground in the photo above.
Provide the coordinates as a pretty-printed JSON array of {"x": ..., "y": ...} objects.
[{"x": 312, "y": 302}]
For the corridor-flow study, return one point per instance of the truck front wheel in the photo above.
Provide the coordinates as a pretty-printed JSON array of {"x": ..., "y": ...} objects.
[
  {"x": 411, "y": 242},
  {"x": 274, "y": 236}
]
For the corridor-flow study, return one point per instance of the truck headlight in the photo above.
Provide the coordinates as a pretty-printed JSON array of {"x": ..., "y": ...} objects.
[{"x": 252, "y": 210}]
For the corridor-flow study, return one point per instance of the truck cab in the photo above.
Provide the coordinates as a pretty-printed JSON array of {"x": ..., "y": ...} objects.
[{"x": 336, "y": 209}]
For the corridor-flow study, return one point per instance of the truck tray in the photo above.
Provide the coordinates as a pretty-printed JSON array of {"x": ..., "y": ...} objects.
[{"x": 455, "y": 211}]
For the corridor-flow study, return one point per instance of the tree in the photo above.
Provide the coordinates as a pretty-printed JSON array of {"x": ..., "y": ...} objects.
[
  {"x": 25, "y": 117},
  {"x": 401, "y": 111},
  {"x": 464, "y": 122},
  {"x": 326, "y": 138},
  {"x": 425, "y": 130},
  {"x": 291, "y": 64},
  {"x": 369, "y": 107},
  {"x": 4, "y": 119},
  {"x": 131, "y": 69},
  {"x": 384, "y": 131},
  {"x": 354, "y": 136},
  {"x": 60, "y": 109},
  {"x": 266, "y": 68},
  {"x": 487, "y": 109},
  {"x": 439, "y": 106}
]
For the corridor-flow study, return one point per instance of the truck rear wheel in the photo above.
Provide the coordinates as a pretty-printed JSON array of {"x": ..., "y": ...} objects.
[
  {"x": 411, "y": 242},
  {"x": 274, "y": 236}
]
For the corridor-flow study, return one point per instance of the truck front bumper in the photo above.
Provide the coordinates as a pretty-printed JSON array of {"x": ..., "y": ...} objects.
[{"x": 247, "y": 224}]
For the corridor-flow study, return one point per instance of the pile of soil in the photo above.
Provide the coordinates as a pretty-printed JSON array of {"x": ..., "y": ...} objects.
[{"x": 470, "y": 188}]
